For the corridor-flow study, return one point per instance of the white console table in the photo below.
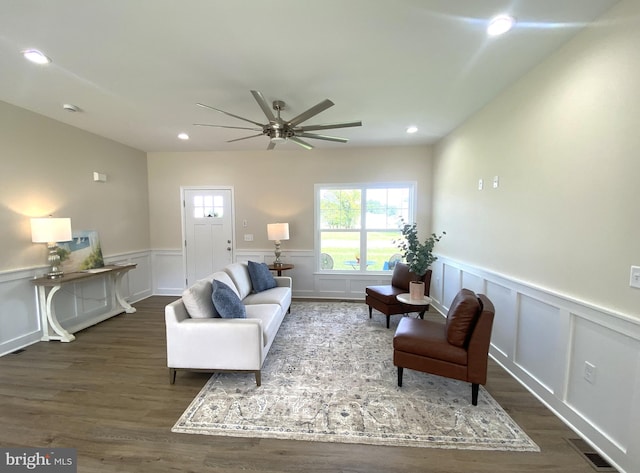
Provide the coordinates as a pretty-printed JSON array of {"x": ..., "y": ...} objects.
[{"x": 47, "y": 289}]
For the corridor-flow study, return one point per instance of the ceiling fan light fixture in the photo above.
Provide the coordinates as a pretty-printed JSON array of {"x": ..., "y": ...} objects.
[{"x": 277, "y": 136}]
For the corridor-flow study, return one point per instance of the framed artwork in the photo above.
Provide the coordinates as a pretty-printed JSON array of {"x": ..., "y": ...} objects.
[{"x": 82, "y": 252}]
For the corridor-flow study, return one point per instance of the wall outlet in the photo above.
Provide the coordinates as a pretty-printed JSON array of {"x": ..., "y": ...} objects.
[
  {"x": 496, "y": 181},
  {"x": 634, "y": 279},
  {"x": 480, "y": 184},
  {"x": 590, "y": 372},
  {"x": 248, "y": 237}
]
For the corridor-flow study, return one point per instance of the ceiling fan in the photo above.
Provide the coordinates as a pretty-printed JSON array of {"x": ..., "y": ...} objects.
[{"x": 279, "y": 130}]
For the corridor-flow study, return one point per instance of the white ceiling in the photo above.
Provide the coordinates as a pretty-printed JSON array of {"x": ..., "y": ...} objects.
[{"x": 136, "y": 68}]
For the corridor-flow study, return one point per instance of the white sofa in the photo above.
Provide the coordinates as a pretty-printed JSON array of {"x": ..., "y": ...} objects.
[{"x": 227, "y": 344}]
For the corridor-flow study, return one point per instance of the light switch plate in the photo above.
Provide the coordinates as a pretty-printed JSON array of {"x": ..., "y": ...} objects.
[
  {"x": 634, "y": 279},
  {"x": 480, "y": 184},
  {"x": 496, "y": 182}
]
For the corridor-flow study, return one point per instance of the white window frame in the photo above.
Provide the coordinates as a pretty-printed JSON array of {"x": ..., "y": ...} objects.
[{"x": 363, "y": 186}]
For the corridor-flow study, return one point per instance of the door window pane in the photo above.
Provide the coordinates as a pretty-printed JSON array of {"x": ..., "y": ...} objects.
[{"x": 208, "y": 206}]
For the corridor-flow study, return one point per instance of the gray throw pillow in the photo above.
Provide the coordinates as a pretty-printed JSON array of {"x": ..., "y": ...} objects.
[
  {"x": 227, "y": 302},
  {"x": 261, "y": 277}
]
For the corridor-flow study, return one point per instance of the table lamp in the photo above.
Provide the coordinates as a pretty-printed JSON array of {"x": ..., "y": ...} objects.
[
  {"x": 51, "y": 230},
  {"x": 277, "y": 232}
]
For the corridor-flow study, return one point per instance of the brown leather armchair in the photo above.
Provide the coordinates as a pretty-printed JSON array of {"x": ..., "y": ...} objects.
[
  {"x": 383, "y": 298},
  {"x": 457, "y": 348}
]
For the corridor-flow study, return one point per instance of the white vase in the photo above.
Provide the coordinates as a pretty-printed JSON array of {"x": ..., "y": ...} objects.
[{"x": 416, "y": 290}]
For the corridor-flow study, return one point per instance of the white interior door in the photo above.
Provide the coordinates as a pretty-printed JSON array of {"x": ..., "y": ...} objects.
[{"x": 208, "y": 230}]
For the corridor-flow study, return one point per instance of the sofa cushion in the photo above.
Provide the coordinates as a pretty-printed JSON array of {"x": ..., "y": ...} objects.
[
  {"x": 462, "y": 316},
  {"x": 224, "y": 277},
  {"x": 276, "y": 295},
  {"x": 227, "y": 302},
  {"x": 270, "y": 316},
  {"x": 197, "y": 300},
  {"x": 239, "y": 274},
  {"x": 261, "y": 277}
]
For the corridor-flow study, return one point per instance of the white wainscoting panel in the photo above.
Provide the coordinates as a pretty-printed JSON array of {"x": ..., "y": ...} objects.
[
  {"x": 437, "y": 285},
  {"x": 504, "y": 323},
  {"x": 615, "y": 357},
  {"x": 473, "y": 282},
  {"x": 136, "y": 284},
  {"x": 451, "y": 284},
  {"x": 19, "y": 321},
  {"x": 544, "y": 338},
  {"x": 168, "y": 272},
  {"x": 538, "y": 334}
]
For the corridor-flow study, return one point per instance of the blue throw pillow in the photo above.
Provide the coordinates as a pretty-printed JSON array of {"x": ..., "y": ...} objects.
[
  {"x": 227, "y": 302},
  {"x": 261, "y": 277}
]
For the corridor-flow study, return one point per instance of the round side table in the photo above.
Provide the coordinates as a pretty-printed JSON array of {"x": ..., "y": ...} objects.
[
  {"x": 414, "y": 305},
  {"x": 280, "y": 267}
]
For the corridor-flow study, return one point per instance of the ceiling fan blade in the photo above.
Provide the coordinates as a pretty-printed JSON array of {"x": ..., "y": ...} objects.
[
  {"x": 328, "y": 127},
  {"x": 264, "y": 105},
  {"x": 323, "y": 137},
  {"x": 299, "y": 142},
  {"x": 227, "y": 113},
  {"x": 313, "y": 111},
  {"x": 244, "y": 138},
  {"x": 223, "y": 126},
  {"x": 271, "y": 145}
]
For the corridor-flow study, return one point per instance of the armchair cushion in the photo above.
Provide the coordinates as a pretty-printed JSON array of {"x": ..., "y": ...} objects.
[
  {"x": 197, "y": 300},
  {"x": 261, "y": 277},
  {"x": 461, "y": 318},
  {"x": 227, "y": 302},
  {"x": 386, "y": 294},
  {"x": 401, "y": 276},
  {"x": 427, "y": 338}
]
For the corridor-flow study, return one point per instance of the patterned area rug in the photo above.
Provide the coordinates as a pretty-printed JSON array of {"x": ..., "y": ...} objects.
[{"x": 329, "y": 377}]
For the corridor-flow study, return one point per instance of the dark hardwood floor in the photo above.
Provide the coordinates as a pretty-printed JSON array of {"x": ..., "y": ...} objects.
[{"x": 107, "y": 394}]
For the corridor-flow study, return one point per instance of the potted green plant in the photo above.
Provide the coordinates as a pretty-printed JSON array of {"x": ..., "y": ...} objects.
[{"x": 418, "y": 255}]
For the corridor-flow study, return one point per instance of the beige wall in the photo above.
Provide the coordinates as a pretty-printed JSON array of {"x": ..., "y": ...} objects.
[
  {"x": 272, "y": 186},
  {"x": 47, "y": 168},
  {"x": 564, "y": 141}
]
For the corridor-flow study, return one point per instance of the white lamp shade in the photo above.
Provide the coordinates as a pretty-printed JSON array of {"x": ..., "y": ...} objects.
[
  {"x": 50, "y": 230},
  {"x": 278, "y": 231}
]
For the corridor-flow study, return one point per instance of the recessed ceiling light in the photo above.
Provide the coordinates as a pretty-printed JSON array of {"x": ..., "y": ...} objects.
[
  {"x": 183, "y": 136},
  {"x": 500, "y": 25},
  {"x": 412, "y": 129},
  {"x": 36, "y": 56}
]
